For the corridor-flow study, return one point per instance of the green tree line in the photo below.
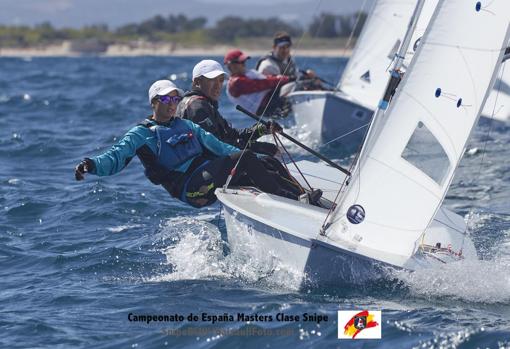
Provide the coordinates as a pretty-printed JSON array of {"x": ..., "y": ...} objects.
[{"x": 179, "y": 28}]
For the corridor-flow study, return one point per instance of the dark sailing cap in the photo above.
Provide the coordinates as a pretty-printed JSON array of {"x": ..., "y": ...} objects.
[{"x": 282, "y": 40}]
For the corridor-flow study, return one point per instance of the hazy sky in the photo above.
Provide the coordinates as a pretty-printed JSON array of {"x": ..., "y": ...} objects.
[{"x": 76, "y": 13}]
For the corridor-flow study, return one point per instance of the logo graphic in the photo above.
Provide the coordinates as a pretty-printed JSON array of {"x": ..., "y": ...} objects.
[
  {"x": 360, "y": 322},
  {"x": 359, "y": 325},
  {"x": 356, "y": 214},
  {"x": 366, "y": 77}
]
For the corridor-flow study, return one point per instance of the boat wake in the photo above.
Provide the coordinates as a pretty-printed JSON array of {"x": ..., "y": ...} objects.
[
  {"x": 479, "y": 281},
  {"x": 470, "y": 281},
  {"x": 196, "y": 251}
]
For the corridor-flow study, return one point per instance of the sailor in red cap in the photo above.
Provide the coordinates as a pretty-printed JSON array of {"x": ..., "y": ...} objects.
[{"x": 253, "y": 90}]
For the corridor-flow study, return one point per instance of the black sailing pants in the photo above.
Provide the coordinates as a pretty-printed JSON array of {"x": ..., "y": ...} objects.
[{"x": 265, "y": 173}]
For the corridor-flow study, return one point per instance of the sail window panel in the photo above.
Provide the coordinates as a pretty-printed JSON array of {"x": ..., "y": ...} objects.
[{"x": 426, "y": 153}]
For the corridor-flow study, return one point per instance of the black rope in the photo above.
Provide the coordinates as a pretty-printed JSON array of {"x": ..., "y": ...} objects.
[{"x": 278, "y": 140}]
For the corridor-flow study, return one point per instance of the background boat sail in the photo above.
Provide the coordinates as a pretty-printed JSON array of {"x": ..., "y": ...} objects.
[
  {"x": 366, "y": 74},
  {"x": 389, "y": 211},
  {"x": 498, "y": 103},
  {"x": 331, "y": 114}
]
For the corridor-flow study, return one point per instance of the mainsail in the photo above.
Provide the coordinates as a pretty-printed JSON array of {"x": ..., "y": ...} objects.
[{"x": 400, "y": 182}]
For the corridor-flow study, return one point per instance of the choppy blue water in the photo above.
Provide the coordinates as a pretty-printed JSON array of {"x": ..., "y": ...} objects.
[{"x": 77, "y": 258}]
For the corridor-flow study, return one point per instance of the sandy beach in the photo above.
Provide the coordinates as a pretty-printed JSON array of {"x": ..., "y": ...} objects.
[{"x": 157, "y": 49}]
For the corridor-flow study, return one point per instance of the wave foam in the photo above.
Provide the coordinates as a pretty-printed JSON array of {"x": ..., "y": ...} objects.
[
  {"x": 479, "y": 281},
  {"x": 472, "y": 281},
  {"x": 197, "y": 251}
]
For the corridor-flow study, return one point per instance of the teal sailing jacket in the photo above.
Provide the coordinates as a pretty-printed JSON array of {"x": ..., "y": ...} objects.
[{"x": 120, "y": 154}]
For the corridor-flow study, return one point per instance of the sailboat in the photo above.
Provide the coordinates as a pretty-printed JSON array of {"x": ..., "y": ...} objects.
[
  {"x": 388, "y": 211},
  {"x": 341, "y": 116}
]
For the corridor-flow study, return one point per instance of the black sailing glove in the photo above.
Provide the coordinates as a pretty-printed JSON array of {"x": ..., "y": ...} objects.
[
  {"x": 270, "y": 128},
  {"x": 263, "y": 148},
  {"x": 274, "y": 127},
  {"x": 86, "y": 165}
]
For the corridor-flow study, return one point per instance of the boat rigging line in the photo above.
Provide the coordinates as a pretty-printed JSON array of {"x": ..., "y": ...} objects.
[
  {"x": 393, "y": 82},
  {"x": 346, "y": 134},
  {"x": 498, "y": 89},
  {"x": 259, "y": 118},
  {"x": 298, "y": 143},
  {"x": 277, "y": 140}
]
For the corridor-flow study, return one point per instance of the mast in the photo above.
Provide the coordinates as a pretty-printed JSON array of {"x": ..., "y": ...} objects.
[
  {"x": 399, "y": 58},
  {"x": 395, "y": 77}
]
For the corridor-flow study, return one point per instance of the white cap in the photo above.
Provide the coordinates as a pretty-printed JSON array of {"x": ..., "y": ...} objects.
[
  {"x": 161, "y": 88},
  {"x": 208, "y": 68}
]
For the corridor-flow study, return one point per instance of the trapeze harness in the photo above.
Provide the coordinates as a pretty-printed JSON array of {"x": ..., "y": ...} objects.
[
  {"x": 218, "y": 126},
  {"x": 176, "y": 144},
  {"x": 288, "y": 68},
  {"x": 218, "y": 123}
]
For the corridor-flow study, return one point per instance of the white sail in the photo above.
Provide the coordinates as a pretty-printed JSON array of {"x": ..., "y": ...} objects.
[
  {"x": 421, "y": 26},
  {"x": 366, "y": 74},
  {"x": 401, "y": 180},
  {"x": 498, "y": 103}
]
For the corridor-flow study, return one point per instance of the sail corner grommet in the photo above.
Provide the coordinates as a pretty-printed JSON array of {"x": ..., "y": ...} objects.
[
  {"x": 438, "y": 92},
  {"x": 478, "y": 6}
]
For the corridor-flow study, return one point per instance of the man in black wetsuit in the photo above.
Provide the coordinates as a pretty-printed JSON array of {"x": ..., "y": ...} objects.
[{"x": 200, "y": 105}]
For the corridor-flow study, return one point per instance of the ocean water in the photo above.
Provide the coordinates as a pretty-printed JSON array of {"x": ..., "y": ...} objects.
[{"x": 76, "y": 258}]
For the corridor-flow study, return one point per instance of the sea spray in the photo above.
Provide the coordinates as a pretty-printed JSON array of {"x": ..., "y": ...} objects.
[{"x": 195, "y": 250}]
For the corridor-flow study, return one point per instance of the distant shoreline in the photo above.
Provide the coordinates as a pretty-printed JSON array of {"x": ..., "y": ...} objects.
[{"x": 154, "y": 49}]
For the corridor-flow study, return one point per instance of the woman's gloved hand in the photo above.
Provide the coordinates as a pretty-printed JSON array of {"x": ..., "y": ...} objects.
[
  {"x": 270, "y": 128},
  {"x": 86, "y": 165},
  {"x": 264, "y": 148}
]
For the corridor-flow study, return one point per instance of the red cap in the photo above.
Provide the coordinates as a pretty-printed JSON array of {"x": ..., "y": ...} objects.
[{"x": 235, "y": 56}]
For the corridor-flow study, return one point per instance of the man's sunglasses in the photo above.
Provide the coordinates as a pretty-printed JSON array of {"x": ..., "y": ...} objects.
[{"x": 169, "y": 99}]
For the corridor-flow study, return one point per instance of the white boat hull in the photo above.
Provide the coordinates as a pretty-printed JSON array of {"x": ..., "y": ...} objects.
[
  {"x": 317, "y": 263},
  {"x": 269, "y": 228},
  {"x": 328, "y": 115}
]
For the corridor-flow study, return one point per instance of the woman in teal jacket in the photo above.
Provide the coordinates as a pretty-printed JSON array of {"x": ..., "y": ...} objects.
[{"x": 189, "y": 162}]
